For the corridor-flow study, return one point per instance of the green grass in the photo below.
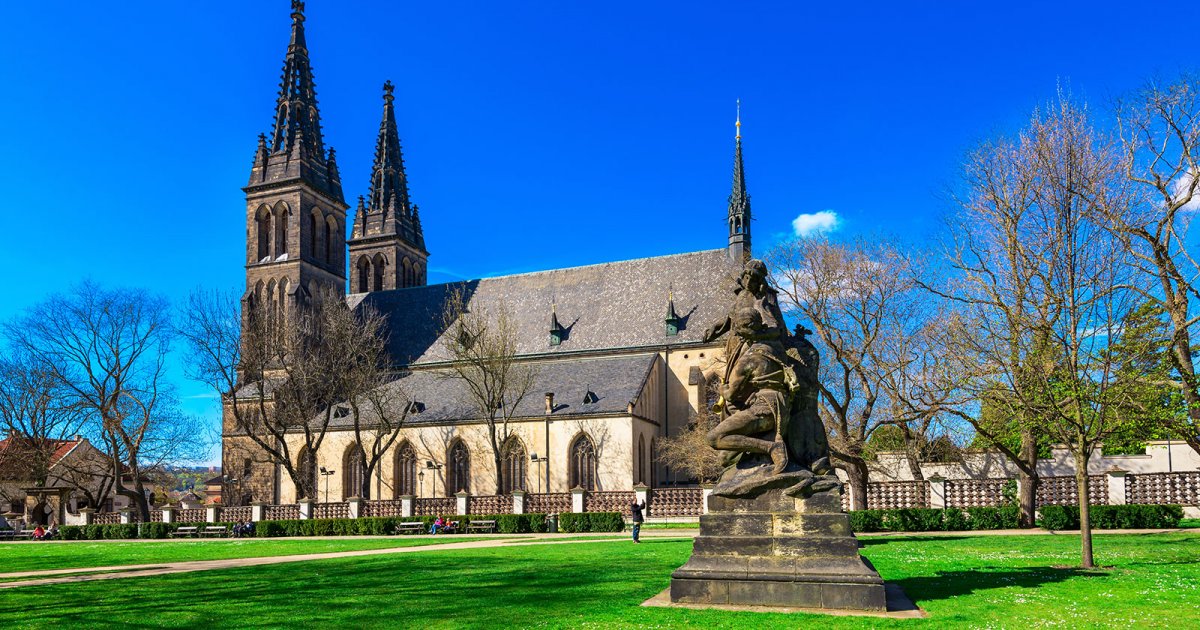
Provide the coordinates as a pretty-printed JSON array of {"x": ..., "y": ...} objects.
[
  {"x": 975, "y": 581},
  {"x": 104, "y": 553}
]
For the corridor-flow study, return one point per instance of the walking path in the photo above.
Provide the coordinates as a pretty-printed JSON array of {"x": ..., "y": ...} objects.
[{"x": 89, "y": 574}]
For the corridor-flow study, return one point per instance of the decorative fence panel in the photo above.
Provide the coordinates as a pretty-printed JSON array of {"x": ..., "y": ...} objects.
[
  {"x": 238, "y": 513},
  {"x": 494, "y": 504},
  {"x": 155, "y": 515},
  {"x": 435, "y": 506},
  {"x": 609, "y": 501},
  {"x": 549, "y": 502},
  {"x": 965, "y": 493},
  {"x": 1181, "y": 488},
  {"x": 331, "y": 510},
  {"x": 106, "y": 518},
  {"x": 382, "y": 508},
  {"x": 282, "y": 513},
  {"x": 1062, "y": 490},
  {"x": 677, "y": 502},
  {"x": 893, "y": 495},
  {"x": 192, "y": 515}
]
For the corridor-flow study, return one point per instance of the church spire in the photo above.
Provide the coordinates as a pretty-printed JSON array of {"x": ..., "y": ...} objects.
[
  {"x": 389, "y": 185},
  {"x": 297, "y": 123},
  {"x": 739, "y": 200}
]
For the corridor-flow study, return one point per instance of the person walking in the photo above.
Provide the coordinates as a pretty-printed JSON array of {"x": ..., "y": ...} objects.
[{"x": 636, "y": 509}]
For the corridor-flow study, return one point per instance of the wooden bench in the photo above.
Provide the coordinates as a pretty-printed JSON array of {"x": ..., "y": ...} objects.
[
  {"x": 217, "y": 531},
  {"x": 23, "y": 533},
  {"x": 188, "y": 531},
  {"x": 411, "y": 527},
  {"x": 482, "y": 526}
]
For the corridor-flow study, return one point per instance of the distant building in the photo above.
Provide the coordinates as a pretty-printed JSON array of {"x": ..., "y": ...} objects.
[
  {"x": 620, "y": 349},
  {"x": 43, "y": 482}
]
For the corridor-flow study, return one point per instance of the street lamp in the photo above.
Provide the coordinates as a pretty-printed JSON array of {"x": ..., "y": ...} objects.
[
  {"x": 533, "y": 457},
  {"x": 421, "y": 477},
  {"x": 325, "y": 473},
  {"x": 230, "y": 480},
  {"x": 430, "y": 466}
]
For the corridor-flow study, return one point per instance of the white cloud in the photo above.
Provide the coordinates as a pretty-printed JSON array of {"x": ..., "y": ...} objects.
[
  {"x": 1179, "y": 188},
  {"x": 816, "y": 223}
]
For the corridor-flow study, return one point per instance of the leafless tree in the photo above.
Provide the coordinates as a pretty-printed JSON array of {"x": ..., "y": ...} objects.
[
  {"x": 107, "y": 350},
  {"x": 689, "y": 452},
  {"x": 1159, "y": 128},
  {"x": 482, "y": 349}
]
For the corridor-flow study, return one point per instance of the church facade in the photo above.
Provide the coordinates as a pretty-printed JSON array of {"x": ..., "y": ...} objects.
[{"x": 619, "y": 348}]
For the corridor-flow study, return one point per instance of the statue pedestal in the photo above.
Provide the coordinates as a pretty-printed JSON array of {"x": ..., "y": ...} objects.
[{"x": 775, "y": 550}]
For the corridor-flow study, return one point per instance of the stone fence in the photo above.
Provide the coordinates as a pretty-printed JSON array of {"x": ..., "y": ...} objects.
[{"x": 1116, "y": 487}]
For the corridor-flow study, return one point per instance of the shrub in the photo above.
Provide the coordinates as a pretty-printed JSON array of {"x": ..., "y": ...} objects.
[
  {"x": 572, "y": 522},
  {"x": 933, "y": 519},
  {"x": 1113, "y": 516},
  {"x": 867, "y": 520},
  {"x": 114, "y": 531},
  {"x": 606, "y": 522},
  {"x": 1006, "y": 517}
]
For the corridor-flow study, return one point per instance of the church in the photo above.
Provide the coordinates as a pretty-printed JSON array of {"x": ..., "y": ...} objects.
[{"x": 619, "y": 348}]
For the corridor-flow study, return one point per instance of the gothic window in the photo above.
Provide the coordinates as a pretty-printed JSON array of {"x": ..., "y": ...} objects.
[
  {"x": 306, "y": 466},
  {"x": 653, "y": 468},
  {"x": 271, "y": 299},
  {"x": 313, "y": 234},
  {"x": 406, "y": 470},
  {"x": 352, "y": 472},
  {"x": 458, "y": 469},
  {"x": 263, "y": 224},
  {"x": 640, "y": 473},
  {"x": 281, "y": 230},
  {"x": 364, "y": 275},
  {"x": 406, "y": 271},
  {"x": 512, "y": 466},
  {"x": 418, "y": 275},
  {"x": 377, "y": 266},
  {"x": 583, "y": 463},
  {"x": 332, "y": 255},
  {"x": 283, "y": 297}
]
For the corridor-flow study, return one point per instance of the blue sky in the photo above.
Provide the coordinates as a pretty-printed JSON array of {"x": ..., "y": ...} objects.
[{"x": 536, "y": 134}]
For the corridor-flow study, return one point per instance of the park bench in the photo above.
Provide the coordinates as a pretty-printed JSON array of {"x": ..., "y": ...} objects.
[
  {"x": 6, "y": 533},
  {"x": 417, "y": 527},
  {"x": 23, "y": 533},
  {"x": 188, "y": 531},
  {"x": 482, "y": 526},
  {"x": 218, "y": 531}
]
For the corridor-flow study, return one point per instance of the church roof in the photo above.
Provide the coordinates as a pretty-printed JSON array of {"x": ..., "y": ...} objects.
[
  {"x": 613, "y": 381},
  {"x": 610, "y": 306}
]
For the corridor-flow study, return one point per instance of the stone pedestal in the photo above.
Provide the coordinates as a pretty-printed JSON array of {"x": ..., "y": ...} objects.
[{"x": 775, "y": 550}]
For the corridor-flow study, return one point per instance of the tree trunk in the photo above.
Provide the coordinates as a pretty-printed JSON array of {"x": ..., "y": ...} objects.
[
  {"x": 856, "y": 470},
  {"x": 1029, "y": 479},
  {"x": 1085, "y": 519}
]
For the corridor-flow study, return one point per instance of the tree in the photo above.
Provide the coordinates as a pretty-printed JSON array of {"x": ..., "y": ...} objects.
[
  {"x": 106, "y": 351},
  {"x": 285, "y": 374},
  {"x": 1159, "y": 128},
  {"x": 689, "y": 452},
  {"x": 482, "y": 349}
]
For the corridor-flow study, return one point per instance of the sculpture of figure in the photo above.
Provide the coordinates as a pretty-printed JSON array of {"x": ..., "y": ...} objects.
[{"x": 752, "y": 291}]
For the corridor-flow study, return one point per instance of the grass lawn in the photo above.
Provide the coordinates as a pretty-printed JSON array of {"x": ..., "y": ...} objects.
[
  {"x": 997, "y": 581},
  {"x": 104, "y": 553}
]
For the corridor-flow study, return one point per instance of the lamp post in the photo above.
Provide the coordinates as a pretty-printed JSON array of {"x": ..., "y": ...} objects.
[
  {"x": 533, "y": 457},
  {"x": 421, "y": 478},
  {"x": 326, "y": 473},
  {"x": 430, "y": 466},
  {"x": 230, "y": 480}
]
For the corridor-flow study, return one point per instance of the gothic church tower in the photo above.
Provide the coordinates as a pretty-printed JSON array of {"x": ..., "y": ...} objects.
[
  {"x": 295, "y": 212},
  {"x": 739, "y": 202},
  {"x": 387, "y": 246}
]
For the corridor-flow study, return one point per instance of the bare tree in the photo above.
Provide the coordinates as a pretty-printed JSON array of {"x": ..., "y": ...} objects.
[
  {"x": 107, "y": 350},
  {"x": 1159, "y": 128},
  {"x": 482, "y": 348},
  {"x": 689, "y": 452}
]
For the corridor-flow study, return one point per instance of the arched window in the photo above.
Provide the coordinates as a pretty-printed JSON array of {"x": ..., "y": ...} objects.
[
  {"x": 364, "y": 274},
  {"x": 377, "y": 267},
  {"x": 306, "y": 466},
  {"x": 458, "y": 468},
  {"x": 352, "y": 472},
  {"x": 281, "y": 230},
  {"x": 418, "y": 275},
  {"x": 583, "y": 463},
  {"x": 314, "y": 228},
  {"x": 512, "y": 466},
  {"x": 653, "y": 468},
  {"x": 263, "y": 221},
  {"x": 640, "y": 473},
  {"x": 271, "y": 304},
  {"x": 332, "y": 255},
  {"x": 406, "y": 470},
  {"x": 283, "y": 297}
]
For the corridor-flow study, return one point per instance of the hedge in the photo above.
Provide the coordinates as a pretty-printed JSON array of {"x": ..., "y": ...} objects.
[
  {"x": 934, "y": 519},
  {"x": 1113, "y": 516},
  {"x": 126, "y": 531},
  {"x": 387, "y": 525},
  {"x": 570, "y": 522}
]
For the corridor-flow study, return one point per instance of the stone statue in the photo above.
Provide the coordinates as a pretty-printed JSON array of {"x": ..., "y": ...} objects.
[{"x": 769, "y": 428}]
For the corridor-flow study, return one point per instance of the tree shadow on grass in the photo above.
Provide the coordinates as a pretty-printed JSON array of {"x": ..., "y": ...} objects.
[
  {"x": 947, "y": 584},
  {"x": 879, "y": 540}
]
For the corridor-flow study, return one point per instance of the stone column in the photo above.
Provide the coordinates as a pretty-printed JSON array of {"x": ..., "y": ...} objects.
[
  {"x": 356, "y": 504},
  {"x": 518, "y": 501},
  {"x": 462, "y": 499},
  {"x": 87, "y": 515},
  {"x": 406, "y": 505},
  {"x": 641, "y": 492},
  {"x": 937, "y": 492},
  {"x": 577, "y": 495},
  {"x": 126, "y": 516},
  {"x": 705, "y": 492},
  {"x": 306, "y": 509},
  {"x": 211, "y": 513},
  {"x": 1116, "y": 486},
  {"x": 168, "y": 512},
  {"x": 258, "y": 511}
]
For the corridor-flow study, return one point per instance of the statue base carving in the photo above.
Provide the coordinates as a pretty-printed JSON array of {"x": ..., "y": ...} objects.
[{"x": 777, "y": 550}]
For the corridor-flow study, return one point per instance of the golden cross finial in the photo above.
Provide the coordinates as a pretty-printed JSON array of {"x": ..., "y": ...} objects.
[{"x": 737, "y": 126}]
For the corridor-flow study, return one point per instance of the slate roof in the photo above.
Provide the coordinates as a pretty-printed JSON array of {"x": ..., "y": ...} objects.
[
  {"x": 618, "y": 305},
  {"x": 615, "y": 381}
]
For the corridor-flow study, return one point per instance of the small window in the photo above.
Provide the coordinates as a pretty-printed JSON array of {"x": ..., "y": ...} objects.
[{"x": 247, "y": 467}]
